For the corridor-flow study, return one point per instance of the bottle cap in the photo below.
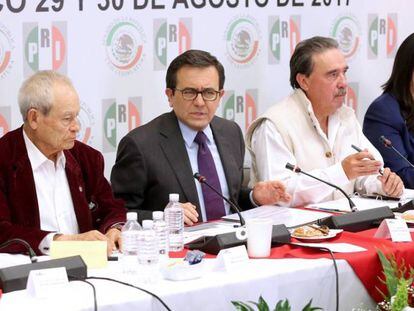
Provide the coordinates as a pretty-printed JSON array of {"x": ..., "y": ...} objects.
[
  {"x": 147, "y": 224},
  {"x": 158, "y": 215},
  {"x": 174, "y": 197},
  {"x": 132, "y": 216}
]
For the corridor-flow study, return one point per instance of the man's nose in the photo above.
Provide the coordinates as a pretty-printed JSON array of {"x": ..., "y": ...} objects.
[{"x": 199, "y": 99}]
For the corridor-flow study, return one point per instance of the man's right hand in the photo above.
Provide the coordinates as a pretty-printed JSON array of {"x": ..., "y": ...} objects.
[
  {"x": 190, "y": 214},
  {"x": 360, "y": 164}
]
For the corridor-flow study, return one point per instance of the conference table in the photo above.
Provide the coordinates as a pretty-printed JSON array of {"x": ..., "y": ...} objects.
[
  {"x": 298, "y": 280},
  {"x": 291, "y": 272}
]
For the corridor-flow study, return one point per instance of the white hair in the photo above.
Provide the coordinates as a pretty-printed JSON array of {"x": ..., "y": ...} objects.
[{"x": 37, "y": 91}]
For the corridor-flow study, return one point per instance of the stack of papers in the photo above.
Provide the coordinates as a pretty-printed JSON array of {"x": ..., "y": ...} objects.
[
  {"x": 291, "y": 217},
  {"x": 361, "y": 204}
]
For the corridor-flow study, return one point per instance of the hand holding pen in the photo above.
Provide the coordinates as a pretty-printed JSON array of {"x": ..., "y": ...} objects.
[
  {"x": 381, "y": 170},
  {"x": 392, "y": 184},
  {"x": 360, "y": 164}
]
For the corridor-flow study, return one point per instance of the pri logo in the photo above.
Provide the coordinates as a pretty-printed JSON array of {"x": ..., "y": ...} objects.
[
  {"x": 175, "y": 36},
  {"x": 4, "y": 119},
  {"x": 279, "y": 30},
  {"x": 119, "y": 119},
  {"x": 6, "y": 47},
  {"x": 351, "y": 99},
  {"x": 86, "y": 121},
  {"x": 124, "y": 42},
  {"x": 346, "y": 31},
  {"x": 239, "y": 108},
  {"x": 44, "y": 47},
  {"x": 382, "y": 29},
  {"x": 242, "y": 41}
]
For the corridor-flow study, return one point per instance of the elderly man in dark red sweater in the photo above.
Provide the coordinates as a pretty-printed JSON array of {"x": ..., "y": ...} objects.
[{"x": 52, "y": 187}]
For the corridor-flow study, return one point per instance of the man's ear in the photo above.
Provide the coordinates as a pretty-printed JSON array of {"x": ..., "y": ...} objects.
[
  {"x": 169, "y": 93},
  {"x": 33, "y": 118},
  {"x": 303, "y": 81},
  {"x": 221, "y": 93}
]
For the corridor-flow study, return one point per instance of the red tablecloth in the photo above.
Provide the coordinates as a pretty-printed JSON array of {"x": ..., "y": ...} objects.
[{"x": 366, "y": 265}]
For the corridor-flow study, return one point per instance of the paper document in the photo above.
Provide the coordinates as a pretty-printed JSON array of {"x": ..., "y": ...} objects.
[
  {"x": 360, "y": 203},
  {"x": 335, "y": 247},
  {"x": 207, "y": 229},
  {"x": 289, "y": 216}
]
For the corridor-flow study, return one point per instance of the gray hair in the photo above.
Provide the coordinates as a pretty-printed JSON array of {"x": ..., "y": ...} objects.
[
  {"x": 37, "y": 91},
  {"x": 302, "y": 58}
]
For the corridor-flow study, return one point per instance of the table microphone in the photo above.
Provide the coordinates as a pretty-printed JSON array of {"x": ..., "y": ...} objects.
[
  {"x": 202, "y": 180},
  {"x": 31, "y": 252},
  {"x": 298, "y": 170},
  {"x": 388, "y": 144}
]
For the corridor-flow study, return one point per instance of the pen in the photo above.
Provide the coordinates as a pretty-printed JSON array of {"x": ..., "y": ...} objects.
[
  {"x": 381, "y": 171},
  {"x": 330, "y": 209}
]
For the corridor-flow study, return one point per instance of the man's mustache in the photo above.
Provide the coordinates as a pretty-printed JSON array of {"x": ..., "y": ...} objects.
[{"x": 341, "y": 92}]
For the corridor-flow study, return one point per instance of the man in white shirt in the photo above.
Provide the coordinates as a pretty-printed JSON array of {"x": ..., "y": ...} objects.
[
  {"x": 313, "y": 130},
  {"x": 51, "y": 186}
]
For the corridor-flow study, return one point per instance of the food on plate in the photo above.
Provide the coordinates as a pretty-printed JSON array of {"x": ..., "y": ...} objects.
[
  {"x": 311, "y": 230},
  {"x": 408, "y": 215}
]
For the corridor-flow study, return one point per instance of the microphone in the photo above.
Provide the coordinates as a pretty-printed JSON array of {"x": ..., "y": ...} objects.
[
  {"x": 15, "y": 277},
  {"x": 30, "y": 250},
  {"x": 388, "y": 144},
  {"x": 202, "y": 180},
  {"x": 296, "y": 169}
]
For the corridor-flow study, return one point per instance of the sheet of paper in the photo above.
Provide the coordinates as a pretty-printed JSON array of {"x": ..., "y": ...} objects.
[
  {"x": 335, "y": 247},
  {"x": 361, "y": 204},
  {"x": 288, "y": 216},
  {"x": 93, "y": 253},
  {"x": 207, "y": 229}
]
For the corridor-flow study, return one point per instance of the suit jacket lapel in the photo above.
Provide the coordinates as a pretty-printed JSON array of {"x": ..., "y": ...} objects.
[
  {"x": 227, "y": 159},
  {"x": 77, "y": 190},
  {"x": 24, "y": 185},
  {"x": 173, "y": 146}
]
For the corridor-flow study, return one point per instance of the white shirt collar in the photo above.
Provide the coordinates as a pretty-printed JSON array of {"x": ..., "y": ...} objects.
[
  {"x": 37, "y": 158},
  {"x": 189, "y": 134}
]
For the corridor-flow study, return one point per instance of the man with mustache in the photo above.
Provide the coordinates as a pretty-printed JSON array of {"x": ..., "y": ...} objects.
[
  {"x": 52, "y": 187},
  {"x": 314, "y": 130},
  {"x": 161, "y": 156}
]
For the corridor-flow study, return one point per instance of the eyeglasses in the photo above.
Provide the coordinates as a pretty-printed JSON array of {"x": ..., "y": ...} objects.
[{"x": 206, "y": 94}]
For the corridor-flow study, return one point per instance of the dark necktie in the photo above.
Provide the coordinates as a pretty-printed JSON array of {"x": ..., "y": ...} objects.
[{"x": 212, "y": 202}]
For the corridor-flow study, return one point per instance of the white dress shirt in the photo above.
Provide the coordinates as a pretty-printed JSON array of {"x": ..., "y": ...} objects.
[
  {"x": 54, "y": 199},
  {"x": 192, "y": 150},
  {"x": 270, "y": 152}
]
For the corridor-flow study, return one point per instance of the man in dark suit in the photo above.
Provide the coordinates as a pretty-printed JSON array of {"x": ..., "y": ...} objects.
[
  {"x": 161, "y": 157},
  {"x": 52, "y": 187}
]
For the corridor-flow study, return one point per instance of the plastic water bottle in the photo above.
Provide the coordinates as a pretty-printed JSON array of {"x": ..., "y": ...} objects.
[
  {"x": 174, "y": 217},
  {"x": 161, "y": 230},
  {"x": 130, "y": 236},
  {"x": 148, "y": 244}
]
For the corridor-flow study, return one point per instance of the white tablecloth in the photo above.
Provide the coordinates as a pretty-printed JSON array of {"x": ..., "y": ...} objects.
[{"x": 299, "y": 280}]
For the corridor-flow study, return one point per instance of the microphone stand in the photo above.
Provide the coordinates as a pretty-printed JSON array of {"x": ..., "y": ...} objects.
[
  {"x": 298, "y": 170},
  {"x": 202, "y": 180},
  {"x": 388, "y": 144}
]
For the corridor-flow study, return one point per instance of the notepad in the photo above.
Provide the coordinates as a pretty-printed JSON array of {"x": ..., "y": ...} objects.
[{"x": 93, "y": 253}]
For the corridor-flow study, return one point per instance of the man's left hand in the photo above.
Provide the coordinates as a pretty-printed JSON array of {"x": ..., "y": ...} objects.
[
  {"x": 392, "y": 184},
  {"x": 114, "y": 238},
  {"x": 270, "y": 192}
]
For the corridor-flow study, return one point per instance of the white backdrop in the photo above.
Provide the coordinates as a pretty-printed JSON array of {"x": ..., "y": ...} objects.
[{"x": 116, "y": 52}]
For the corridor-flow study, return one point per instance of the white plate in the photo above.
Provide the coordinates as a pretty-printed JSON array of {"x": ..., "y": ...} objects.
[
  {"x": 332, "y": 233},
  {"x": 400, "y": 216}
]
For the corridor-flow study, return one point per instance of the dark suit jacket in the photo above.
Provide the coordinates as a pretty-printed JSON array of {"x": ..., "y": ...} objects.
[
  {"x": 19, "y": 210},
  {"x": 384, "y": 118},
  {"x": 152, "y": 162}
]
